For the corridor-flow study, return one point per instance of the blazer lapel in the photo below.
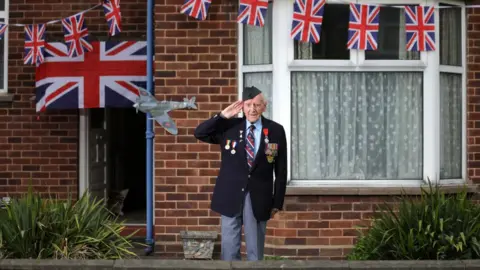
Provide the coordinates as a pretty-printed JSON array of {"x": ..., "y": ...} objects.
[{"x": 242, "y": 156}]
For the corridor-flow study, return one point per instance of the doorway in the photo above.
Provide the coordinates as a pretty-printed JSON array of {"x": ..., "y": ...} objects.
[{"x": 115, "y": 160}]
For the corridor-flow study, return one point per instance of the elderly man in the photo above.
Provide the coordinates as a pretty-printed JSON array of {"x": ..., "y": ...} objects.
[{"x": 253, "y": 148}]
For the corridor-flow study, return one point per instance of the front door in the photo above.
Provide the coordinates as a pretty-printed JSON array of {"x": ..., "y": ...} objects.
[{"x": 97, "y": 154}]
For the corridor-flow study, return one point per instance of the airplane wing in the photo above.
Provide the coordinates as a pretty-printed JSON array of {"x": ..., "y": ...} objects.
[
  {"x": 167, "y": 123},
  {"x": 145, "y": 96}
]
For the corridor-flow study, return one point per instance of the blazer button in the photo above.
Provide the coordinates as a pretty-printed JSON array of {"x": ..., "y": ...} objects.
[{"x": 249, "y": 176}]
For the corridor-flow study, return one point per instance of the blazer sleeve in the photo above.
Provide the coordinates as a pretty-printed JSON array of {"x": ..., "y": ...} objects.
[
  {"x": 280, "y": 172},
  {"x": 211, "y": 131}
]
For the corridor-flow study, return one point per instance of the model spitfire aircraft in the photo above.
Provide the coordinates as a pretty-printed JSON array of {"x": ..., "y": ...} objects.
[{"x": 159, "y": 109}]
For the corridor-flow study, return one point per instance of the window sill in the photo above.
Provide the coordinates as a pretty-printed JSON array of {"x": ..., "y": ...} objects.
[
  {"x": 328, "y": 190},
  {"x": 6, "y": 99}
]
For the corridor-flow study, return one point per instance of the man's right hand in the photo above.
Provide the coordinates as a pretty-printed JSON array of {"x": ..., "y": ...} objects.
[{"x": 232, "y": 110}]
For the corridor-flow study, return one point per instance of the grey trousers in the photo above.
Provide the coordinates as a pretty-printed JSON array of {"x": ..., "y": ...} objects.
[{"x": 232, "y": 232}]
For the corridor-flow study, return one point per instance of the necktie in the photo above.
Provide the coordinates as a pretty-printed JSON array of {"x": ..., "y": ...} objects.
[{"x": 250, "y": 146}]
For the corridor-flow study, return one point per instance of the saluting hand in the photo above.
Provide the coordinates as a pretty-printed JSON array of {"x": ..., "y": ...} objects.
[{"x": 232, "y": 110}]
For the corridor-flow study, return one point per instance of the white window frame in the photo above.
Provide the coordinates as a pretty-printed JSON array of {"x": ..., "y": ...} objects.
[
  {"x": 4, "y": 15},
  {"x": 283, "y": 63}
]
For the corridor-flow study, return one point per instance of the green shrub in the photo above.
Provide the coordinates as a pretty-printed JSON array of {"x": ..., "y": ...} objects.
[
  {"x": 436, "y": 227},
  {"x": 45, "y": 228}
]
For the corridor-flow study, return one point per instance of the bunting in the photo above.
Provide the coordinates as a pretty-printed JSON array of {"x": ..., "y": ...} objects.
[
  {"x": 111, "y": 8},
  {"x": 34, "y": 44},
  {"x": 196, "y": 8},
  {"x": 307, "y": 20},
  {"x": 420, "y": 28},
  {"x": 76, "y": 34},
  {"x": 363, "y": 27},
  {"x": 252, "y": 12}
]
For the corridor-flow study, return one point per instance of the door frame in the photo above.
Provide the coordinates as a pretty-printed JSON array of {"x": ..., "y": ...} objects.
[
  {"x": 84, "y": 121},
  {"x": 83, "y": 179}
]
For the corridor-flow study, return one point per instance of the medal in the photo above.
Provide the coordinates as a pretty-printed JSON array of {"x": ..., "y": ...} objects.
[
  {"x": 233, "y": 147},
  {"x": 270, "y": 159},
  {"x": 265, "y": 132},
  {"x": 227, "y": 145}
]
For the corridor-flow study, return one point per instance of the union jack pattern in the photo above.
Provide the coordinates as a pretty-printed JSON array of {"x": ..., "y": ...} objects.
[
  {"x": 420, "y": 28},
  {"x": 363, "y": 27},
  {"x": 3, "y": 28},
  {"x": 34, "y": 44},
  {"x": 108, "y": 76},
  {"x": 113, "y": 16},
  {"x": 196, "y": 8},
  {"x": 76, "y": 34},
  {"x": 252, "y": 12},
  {"x": 307, "y": 20}
]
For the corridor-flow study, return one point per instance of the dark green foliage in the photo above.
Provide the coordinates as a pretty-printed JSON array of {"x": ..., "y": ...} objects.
[
  {"x": 32, "y": 227},
  {"x": 434, "y": 227}
]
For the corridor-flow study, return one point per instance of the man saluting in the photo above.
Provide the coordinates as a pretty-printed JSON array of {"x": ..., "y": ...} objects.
[{"x": 253, "y": 148}]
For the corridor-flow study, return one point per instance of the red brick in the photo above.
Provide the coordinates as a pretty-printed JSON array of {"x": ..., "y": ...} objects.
[{"x": 192, "y": 59}]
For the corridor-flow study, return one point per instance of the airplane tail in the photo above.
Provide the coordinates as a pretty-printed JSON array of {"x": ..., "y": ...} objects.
[{"x": 191, "y": 103}]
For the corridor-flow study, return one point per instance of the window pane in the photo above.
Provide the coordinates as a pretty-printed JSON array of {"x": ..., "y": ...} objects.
[
  {"x": 333, "y": 36},
  {"x": 2, "y": 5},
  {"x": 263, "y": 81},
  {"x": 257, "y": 42},
  {"x": 357, "y": 125},
  {"x": 2, "y": 59},
  {"x": 392, "y": 37},
  {"x": 450, "y": 126},
  {"x": 450, "y": 36}
]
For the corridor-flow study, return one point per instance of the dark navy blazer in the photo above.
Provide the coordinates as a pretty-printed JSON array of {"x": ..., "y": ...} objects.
[{"x": 235, "y": 178}]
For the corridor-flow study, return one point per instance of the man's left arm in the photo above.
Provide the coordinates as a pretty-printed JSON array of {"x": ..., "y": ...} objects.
[{"x": 280, "y": 173}]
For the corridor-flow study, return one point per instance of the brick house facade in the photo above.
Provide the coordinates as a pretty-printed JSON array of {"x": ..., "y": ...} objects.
[{"x": 206, "y": 59}]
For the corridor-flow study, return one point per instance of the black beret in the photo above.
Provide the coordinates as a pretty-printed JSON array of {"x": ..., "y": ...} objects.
[{"x": 250, "y": 92}]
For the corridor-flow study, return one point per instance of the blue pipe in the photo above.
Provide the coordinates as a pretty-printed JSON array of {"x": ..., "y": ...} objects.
[{"x": 149, "y": 133}]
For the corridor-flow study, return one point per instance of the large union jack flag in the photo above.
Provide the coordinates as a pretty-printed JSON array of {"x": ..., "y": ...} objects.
[
  {"x": 307, "y": 20},
  {"x": 252, "y": 12},
  {"x": 363, "y": 27},
  {"x": 111, "y": 8},
  {"x": 420, "y": 28},
  {"x": 76, "y": 35},
  {"x": 34, "y": 44},
  {"x": 108, "y": 76},
  {"x": 196, "y": 8}
]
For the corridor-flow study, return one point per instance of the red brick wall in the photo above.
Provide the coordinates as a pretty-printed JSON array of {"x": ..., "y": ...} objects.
[
  {"x": 199, "y": 59},
  {"x": 192, "y": 59},
  {"x": 473, "y": 92},
  {"x": 45, "y": 150}
]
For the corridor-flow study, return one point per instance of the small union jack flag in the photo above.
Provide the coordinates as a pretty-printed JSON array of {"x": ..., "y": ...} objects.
[
  {"x": 307, "y": 20},
  {"x": 363, "y": 27},
  {"x": 76, "y": 34},
  {"x": 196, "y": 8},
  {"x": 3, "y": 28},
  {"x": 252, "y": 12},
  {"x": 420, "y": 28},
  {"x": 34, "y": 44},
  {"x": 113, "y": 15}
]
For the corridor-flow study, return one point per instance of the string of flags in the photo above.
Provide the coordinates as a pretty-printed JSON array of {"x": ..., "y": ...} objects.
[
  {"x": 308, "y": 17},
  {"x": 306, "y": 25},
  {"x": 75, "y": 33}
]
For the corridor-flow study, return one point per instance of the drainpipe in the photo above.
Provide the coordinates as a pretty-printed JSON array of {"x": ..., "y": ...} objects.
[{"x": 149, "y": 133}]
